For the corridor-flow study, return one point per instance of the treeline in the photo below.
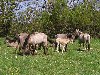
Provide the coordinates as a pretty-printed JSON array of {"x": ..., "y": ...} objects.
[{"x": 59, "y": 18}]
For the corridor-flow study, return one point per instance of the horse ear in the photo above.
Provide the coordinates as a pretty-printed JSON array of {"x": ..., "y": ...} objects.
[{"x": 78, "y": 29}]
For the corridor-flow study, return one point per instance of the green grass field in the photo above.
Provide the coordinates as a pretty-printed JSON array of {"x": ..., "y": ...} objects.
[{"x": 72, "y": 62}]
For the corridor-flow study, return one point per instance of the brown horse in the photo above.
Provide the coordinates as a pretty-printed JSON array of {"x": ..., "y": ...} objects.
[
  {"x": 37, "y": 39},
  {"x": 84, "y": 38}
]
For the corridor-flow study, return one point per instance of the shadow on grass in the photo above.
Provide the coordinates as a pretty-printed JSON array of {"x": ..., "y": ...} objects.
[
  {"x": 21, "y": 54},
  {"x": 28, "y": 54},
  {"x": 81, "y": 50}
]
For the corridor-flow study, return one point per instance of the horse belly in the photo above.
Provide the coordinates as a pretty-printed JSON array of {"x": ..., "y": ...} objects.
[{"x": 38, "y": 40}]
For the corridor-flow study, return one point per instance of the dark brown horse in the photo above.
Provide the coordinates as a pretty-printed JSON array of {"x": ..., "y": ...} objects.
[{"x": 84, "y": 38}]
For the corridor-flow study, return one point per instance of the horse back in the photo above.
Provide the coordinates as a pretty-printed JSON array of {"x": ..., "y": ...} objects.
[
  {"x": 38, "y": 38},
  {"x": 61, "y": 36},
  {"x": 62, "y": 41}
]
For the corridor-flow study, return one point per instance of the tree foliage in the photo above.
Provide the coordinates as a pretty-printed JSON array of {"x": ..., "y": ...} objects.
[{"x": 58, "y": 18}]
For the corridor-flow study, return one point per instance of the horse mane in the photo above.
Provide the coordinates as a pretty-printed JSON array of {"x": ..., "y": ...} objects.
[
  {"x": 69, "y": 35},
  {"x": 26, "y": 40},
  {"x": 81, "y": 32}
]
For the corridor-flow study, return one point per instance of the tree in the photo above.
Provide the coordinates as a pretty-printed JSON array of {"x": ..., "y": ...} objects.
[{"x": 6, "y": 16}]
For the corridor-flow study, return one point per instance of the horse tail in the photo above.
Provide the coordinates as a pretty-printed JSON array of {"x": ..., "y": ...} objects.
[{"x": 88, "y": 46}]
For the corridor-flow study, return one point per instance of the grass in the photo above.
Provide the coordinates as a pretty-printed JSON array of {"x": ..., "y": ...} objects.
[{"x": 72, "y": 62}]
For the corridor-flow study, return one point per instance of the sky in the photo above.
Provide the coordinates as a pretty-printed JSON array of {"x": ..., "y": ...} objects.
[
  {"x": 37, "y": 4},
  {"x": 34, "y": 4}
]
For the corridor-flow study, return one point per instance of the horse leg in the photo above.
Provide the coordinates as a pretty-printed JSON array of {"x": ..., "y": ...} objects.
[
  {"x": 88, "y": 46},
  {"x": 58, "y": 45},
  {"x": 39, "y": 46},
  {"x": 30, "y": 49},
  {"x": 36, "y": 48},
  {"x": 55, "y": 45},
  {"x": 65, "y": 47},
  {"x": 44, "y": 47},
  {"x": 83, "y": 44},
  {"x": 19, "y": 48},
  {"x": 33, "y": 48}
]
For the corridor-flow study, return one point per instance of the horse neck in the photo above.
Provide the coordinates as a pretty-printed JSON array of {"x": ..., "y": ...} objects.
[{"x": 79, "y": 33}]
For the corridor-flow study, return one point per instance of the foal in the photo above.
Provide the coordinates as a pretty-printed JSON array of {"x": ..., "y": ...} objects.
[
  {"x": 84, "y": 39},
  {"x": 63, "y": 43},
  {"x": 64, "y": 36}
]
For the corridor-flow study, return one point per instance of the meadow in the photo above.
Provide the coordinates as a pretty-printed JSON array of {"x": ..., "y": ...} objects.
[{"x": 72, "y": 62}]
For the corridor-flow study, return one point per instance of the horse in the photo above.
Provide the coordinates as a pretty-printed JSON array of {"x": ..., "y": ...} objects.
[
  {"x": 63, "y": 42},
  {"x": 64, "y": 36},
  {"x": 11, "y": 42},
  {"x": 84, "y": 38},
  {"x": 22, "y": 41},
  {"x": 37, "y": 39}
]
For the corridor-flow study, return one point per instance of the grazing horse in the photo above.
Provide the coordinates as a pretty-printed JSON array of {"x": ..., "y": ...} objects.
[
  {"x": 11, "y": 42},
  {"x": 84, "y": 38},
  {"x": 37, "y": 39},
  {"x": 22, "y": 38},
  {"x": 63, "y": 42}
]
